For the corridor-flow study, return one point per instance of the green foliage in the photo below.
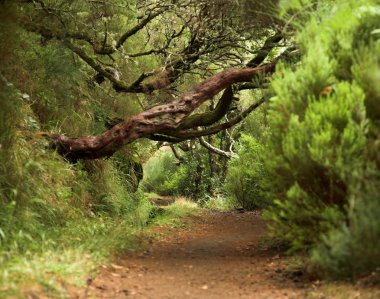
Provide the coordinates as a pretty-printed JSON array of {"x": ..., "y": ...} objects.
[
  {"x": 247, "y": 177},
  {"x": 366, "y": 71},
  {"x": 171, "y": 214},
  {"x": 322, "y": 124},
  {"x": 163, "y": 174},
  {"x": 57, "y": 220},
  {"x": 49, "y": 207},
  {"x": 192, "y": 176},
  {"x": 220, "y": 202},
  {"x": 300, "y": 218},
  {"x": 292, "y": 6},
  {"x": 158, "y": 173},
  {"x": 352, "y": 248}
]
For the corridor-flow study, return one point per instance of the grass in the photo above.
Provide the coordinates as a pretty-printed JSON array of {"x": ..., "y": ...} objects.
[
  {"x": 59, "y": 222},
  {"x": 341, "y": 290},
  {"x": 71, "y": 255},
  {"x": 151, "y": 195},
  {"x": 48, "y": 273},
  {"x": 75, "y": 253},
  {"x": 220, "y": 203},
  {"x": 171, "y": 215}
]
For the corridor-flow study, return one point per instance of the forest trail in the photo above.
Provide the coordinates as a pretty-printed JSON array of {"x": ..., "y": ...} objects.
[{"x": 216, "y": 255}]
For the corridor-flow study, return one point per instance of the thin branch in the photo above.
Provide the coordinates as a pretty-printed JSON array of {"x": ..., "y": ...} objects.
[
  {"x": 210, "y": 117},
  {"x": 183, "y": 135},
  {"x": 264, "y": 51},
  {"x": 176, "y": 154},
  {"x": 137, "y": 28},
  {"x": 120, "y": 85},
  {"x": 216, "y": 150}
]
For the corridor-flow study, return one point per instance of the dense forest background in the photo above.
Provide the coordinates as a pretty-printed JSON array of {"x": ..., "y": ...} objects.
[{"x": 299, "y": 142}]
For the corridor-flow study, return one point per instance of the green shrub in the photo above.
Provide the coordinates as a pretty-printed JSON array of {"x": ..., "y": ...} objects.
[
  {"x": 57, "y": 220},
  {"x": 192, "y": 177},
  {"x": 324, "y": 128},
  {"x": 352, "y": 249},
  {"x": 158, "y": 172},
  {"x": 246, "y": 180},
  {"x": 165, "y": 175}
]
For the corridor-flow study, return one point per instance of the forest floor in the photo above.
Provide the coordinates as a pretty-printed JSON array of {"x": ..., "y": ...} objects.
[{"x": 214, "y": 254}]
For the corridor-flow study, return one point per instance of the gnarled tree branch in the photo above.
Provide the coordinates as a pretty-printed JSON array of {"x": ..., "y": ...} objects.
[
  {"x": 163, "y": 119},
  {"x": 210, "y": 117},
  {"x": 191, "y": 134}
]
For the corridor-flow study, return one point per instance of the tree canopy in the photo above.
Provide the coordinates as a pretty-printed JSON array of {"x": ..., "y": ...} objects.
[{"x": 184, "y": 40}]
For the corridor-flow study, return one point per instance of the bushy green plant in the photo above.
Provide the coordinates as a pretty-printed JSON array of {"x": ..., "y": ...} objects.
[
  {"x": 352, "y": 248},
  {"x": 158, "y": 171},
  {"x": 191, "y": 177},
  {"x": 165, "y": 175},
  {"x": 322, "y": 133},
  {"x": 49, "y": 209},
  {"x": 56, "y": 219},
  {"x": 246, "y": 177}
]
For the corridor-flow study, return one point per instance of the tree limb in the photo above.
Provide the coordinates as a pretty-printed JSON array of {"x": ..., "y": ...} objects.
[
  {"x": 263, "y": 52},
  {"x": 137, "y": 28},
  {"x": 183, "y": 135},
  {"x": 210, "y": 117},
  {"x": 216, "y": 150},
  {"x": 176, "y": 154},
  {"x": 162, "y": 119}
]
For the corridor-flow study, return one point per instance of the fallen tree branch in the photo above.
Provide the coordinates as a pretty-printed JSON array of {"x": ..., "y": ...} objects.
[{"x": 163, "y": 119}]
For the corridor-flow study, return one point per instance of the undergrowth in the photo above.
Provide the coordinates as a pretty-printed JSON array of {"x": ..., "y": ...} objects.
[
  {"x": 172, "y": 214},
  {"x": 58, "y": 221}
]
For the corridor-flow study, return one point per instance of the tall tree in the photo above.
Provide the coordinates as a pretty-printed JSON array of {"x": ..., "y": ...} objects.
[{"x": 184, "y": 39}]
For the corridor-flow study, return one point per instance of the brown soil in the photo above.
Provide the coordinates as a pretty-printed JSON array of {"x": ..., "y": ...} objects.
[{"x": 217, "y": 255}]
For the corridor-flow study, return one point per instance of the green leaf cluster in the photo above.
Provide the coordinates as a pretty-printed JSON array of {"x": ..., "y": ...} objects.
[
  {"x": 247, "y": 177},
  {"x": 324, "y": 126}
]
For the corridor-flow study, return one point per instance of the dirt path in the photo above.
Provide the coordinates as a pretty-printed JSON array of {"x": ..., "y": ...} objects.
[{"x": 216, "y": 256}]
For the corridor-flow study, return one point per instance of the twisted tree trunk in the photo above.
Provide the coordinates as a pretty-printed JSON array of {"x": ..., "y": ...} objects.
[{"x": 162, "y": 119}]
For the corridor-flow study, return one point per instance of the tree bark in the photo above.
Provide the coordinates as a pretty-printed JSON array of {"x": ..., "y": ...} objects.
[{"x": 162, "y": 119}]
